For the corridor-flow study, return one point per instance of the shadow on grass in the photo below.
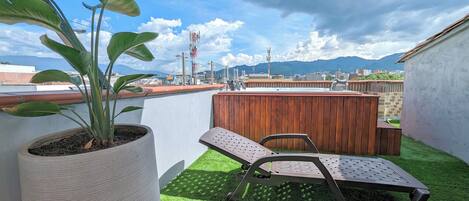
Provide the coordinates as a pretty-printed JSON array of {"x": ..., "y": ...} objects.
[{"x": 214, "y": 185}]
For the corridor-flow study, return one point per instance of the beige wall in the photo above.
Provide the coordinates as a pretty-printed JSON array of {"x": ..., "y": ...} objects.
[{"x": 436, "y": 94}]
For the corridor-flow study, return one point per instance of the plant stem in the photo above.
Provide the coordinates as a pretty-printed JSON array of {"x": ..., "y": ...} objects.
[
  {"x": 111, "y": 126},
  {"x": 86, "y": 99},
  {"x": 97, "y": 88},
  {"x": 91, "y": 112},
  {"x": 74, "y": 120},
  {"x": 84, "y": 122}
]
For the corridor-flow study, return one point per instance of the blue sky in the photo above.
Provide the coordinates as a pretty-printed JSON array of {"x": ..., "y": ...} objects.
[{"x": 237, "y": 32}]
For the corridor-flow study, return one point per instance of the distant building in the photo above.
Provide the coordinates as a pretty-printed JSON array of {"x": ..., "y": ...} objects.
[
  {"x": 17, "y": 78},
  {"x": 436, "y": 90},
  {"x": 149, "y": 82},
  {"x": 258, "y": 76},
  {"x": 298, "y": 77},
  {"x": 341, "y": 76},
  {"x": 16, "y": 74},
  {"x": 353, "y": 76},
  {"x": 179, "y": 81},
  {"x": 315, "y": 76},
  {"x": 277, "y": 77},
  {"x": 376, "y": 71},
  {"x": 363, "y": 72}
]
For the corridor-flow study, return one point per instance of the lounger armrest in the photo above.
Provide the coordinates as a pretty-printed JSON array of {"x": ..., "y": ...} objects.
[
  {"x": 311, "y": 147},
  {"x": 303, "y": 158}
]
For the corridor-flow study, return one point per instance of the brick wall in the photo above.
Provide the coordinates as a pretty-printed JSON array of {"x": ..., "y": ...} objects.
[{"x": 390, "y": 104}]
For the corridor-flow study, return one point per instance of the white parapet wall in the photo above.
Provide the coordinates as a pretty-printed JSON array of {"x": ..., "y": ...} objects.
[{"x": 177, "y": 120}]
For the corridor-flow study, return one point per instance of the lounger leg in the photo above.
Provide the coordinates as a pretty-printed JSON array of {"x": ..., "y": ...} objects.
[
  {"x": 420, "y": 195},
  {"x": 239, "y": 188}
]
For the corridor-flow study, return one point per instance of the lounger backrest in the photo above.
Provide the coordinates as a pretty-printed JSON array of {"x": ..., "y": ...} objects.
[{"x": 235, "y": 146}]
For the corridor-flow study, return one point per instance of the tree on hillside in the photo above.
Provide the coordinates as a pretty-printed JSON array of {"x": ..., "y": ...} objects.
[{"x": 383, "y": 76}]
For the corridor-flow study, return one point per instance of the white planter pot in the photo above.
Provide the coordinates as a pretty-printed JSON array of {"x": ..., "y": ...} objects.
[{"x": 126, "y": 172}]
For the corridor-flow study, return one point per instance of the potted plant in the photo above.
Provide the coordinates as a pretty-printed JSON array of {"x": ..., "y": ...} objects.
[{"x": 99, "y": 160}]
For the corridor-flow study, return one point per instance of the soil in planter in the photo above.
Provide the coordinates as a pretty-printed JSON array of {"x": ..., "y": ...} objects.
[{"x": 74, "y": 144}]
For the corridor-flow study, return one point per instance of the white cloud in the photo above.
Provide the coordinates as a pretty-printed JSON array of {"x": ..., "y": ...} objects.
[
  {"x": 328, "y": 46},
  {"x": 86, "y": 23},
  {"x": 215, "y": 39},
  {"x": 160, "y": 25},
  {"x": 240, "y": 58},
  {"x": 16, "y": 41},
  {"x": 331, "y": 46},
  {"x": 104, "y": 38},
  {"x": 318, "y": 46}
]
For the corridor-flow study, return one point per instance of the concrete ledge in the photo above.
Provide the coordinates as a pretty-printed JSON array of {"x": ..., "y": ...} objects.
[{"x": 70, "y": 97}]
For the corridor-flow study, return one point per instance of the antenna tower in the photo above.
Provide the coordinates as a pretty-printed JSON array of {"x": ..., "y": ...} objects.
[
  {"x": 194, "y": 42},
  {"x": 269, "y": 57}
]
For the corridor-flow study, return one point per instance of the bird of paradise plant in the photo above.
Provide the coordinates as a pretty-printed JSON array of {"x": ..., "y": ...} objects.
[{"x": 100, "y": 97}]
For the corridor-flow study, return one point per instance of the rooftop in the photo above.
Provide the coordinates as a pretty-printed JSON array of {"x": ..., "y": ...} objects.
[
  {"x": 345, "y": 124},
  {"x": 213, "y": 175}
]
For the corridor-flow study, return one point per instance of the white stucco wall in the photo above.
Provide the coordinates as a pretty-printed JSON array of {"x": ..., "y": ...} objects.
[
  {"x": 436, "y": 95},
  {"x": 178, "y": 120}
]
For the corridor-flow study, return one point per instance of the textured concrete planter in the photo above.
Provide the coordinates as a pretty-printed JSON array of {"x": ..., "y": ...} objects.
[{"x": 125, "y": 173}]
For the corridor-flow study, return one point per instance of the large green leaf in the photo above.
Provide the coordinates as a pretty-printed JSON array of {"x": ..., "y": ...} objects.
[
  {"x": 140, "y": 52},
  {"x": 34, "y": 109},
  {"x": 133, "y": 89},
  {"x": 121, "y": 82},
  {"x": 79, "y": 60},
  {"x": 131, "y": 44},
  {"x": 126, "y": 7},
  {"x": 54, "y": 76},
  {"x": 36, "y": 12},
  {"x": 129, "y": 109}
]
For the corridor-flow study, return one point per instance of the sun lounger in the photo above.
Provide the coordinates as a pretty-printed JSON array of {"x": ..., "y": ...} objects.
[{"x": 265, "y": 166}]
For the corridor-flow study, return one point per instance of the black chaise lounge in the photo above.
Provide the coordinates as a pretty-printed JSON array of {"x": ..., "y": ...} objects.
[{"x": 262, "y": 165}]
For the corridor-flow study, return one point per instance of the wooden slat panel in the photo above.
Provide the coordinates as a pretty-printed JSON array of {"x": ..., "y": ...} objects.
[
  {"x": 301, "y": 122},
  {"x": 339, "y": 124},
  {"x": 372, "y": 126},
  {"x": 388, "y": 139},
  {"x": 350, "y": 123},
  {"x": 366, "y": 134},
  {"x": 333, "y": 124},
  {"x": 285, "y": 119},
  {"x": 359, "y": 126}
]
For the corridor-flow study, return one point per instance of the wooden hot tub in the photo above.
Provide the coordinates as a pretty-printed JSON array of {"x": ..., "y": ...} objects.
[{"x": 337, "y": 122}]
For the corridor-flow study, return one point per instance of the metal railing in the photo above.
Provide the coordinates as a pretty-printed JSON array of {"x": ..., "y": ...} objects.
[{"x": 354, "y": 85}]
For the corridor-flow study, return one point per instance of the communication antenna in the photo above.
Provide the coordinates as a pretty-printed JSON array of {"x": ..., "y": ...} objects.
[
  {"x": 227, "y": 74},
  {"x": 269, "y": 57},
  {"x": 194, "y": 38},
  {"x": 183, "y": 62},
  {"x": 212, "y": 76}
]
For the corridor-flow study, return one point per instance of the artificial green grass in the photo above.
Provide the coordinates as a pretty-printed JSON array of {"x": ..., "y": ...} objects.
[{"x": 213, "y": 175}]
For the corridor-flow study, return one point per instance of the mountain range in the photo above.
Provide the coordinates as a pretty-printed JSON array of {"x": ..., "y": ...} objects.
[
  {"x": 345, "y": 64},
  {"x": 45, "y": 63}
]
